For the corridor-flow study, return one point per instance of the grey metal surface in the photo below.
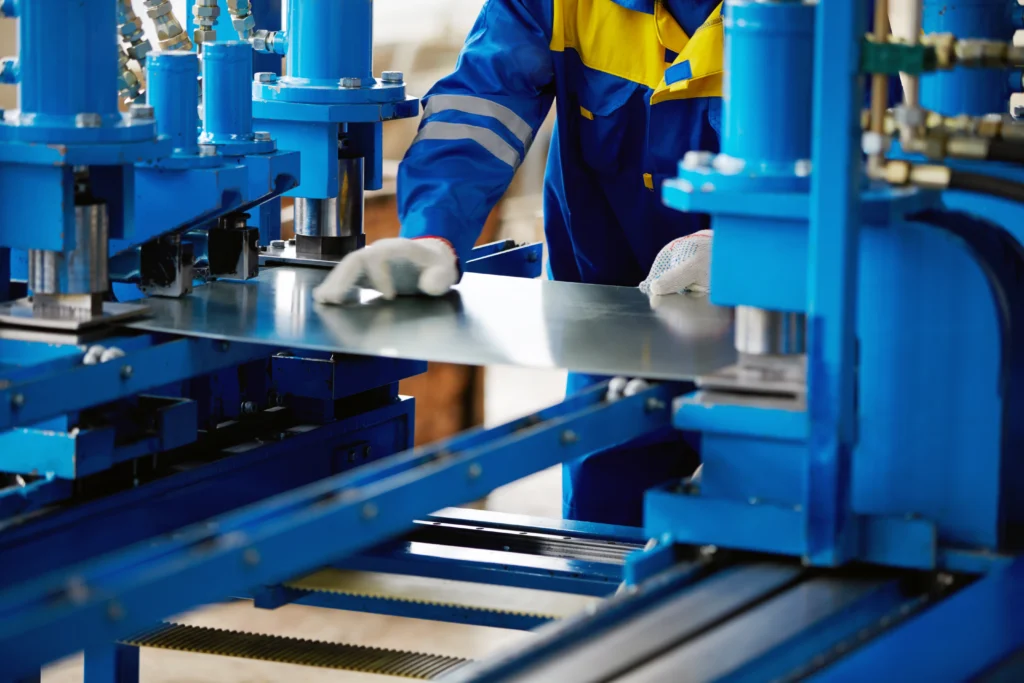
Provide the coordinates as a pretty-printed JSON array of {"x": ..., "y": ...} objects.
[
  {"x": 654, "y": 631},
  {"x": 20, "y": 313},
  {"x": 316, "y": 217},
  {"x": 487, "y": 320},
  {"x": 742, "y": 640},
  {"x": 287, "y": 253}
]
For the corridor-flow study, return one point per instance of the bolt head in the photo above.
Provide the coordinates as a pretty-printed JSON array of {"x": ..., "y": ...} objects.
[
  {"x": 18, "y": 400},
  {"x": 266, "y": 77},
  {"x": 126, "y": 371},
  {"x": 88, "y": 120},
  {"x": 393, "y": 77},
  {"x": 475, "y": 471},
  {"x": 207, "y": 150},
  {"x": 142, "y": 112},
  {"x": 351, "y": 82},
  {"x": 568, "y": 437},
  {"x": 261, "y": 136},
  {"x": 369, "y": 511}
]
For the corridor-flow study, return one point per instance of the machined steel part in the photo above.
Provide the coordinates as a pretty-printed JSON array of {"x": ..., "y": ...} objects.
[
  {"x": 205, "y": 14},
  {"x": 132, "y": 32},
  {"x": 300, "y": 651},
  {"x": 170, "y": 34},
  {"x": 128, "y": 84},
  {"x": 770, "y": 333},
  {"x": 242, "y": 19}
]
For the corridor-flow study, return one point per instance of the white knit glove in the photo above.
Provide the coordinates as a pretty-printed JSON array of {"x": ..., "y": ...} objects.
[
  {"x": 683, "y": 265},
  {"x": 394, "y": 267},
  {"x": 622, "y": 387},
  {"x": 97, "y": 354}
]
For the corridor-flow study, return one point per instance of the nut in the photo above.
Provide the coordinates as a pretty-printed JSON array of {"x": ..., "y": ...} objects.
[
  {"x": 945, "y": 48},
  {"x": 140, "y": 51},
  {"x": 159, "y": 10},
  {"x": 199, "y": 36},
  {"x": 913, "y": 117},
  {"x": 88, "y": 120},
  {"x": 259, "y": 40},
  {"x": 990, "y": 126},
  {"x": 244, "y": 25},
  {"x": 393, "y": 77},
  {"x": 261, "y": 136},
  {"x": 212, "y": 12}
]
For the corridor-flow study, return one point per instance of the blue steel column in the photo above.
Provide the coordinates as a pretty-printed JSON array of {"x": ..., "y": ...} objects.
[
  {"x": 62, "y": 46},
  {"x": 317, "y": 53},
  {"x": 832, "y": 277},
  {"x": 967, "y": 91},
  {"x": 767, "y": 101},
  {"x": 227, "y": 112},
  {"x": 174, "y": 94}
]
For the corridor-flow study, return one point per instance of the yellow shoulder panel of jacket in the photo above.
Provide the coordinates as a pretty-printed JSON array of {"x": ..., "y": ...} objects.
[
  {"x": 615, "y": 40},
  {"x": 704, "y": 56},
  {"x": 631, "y": 45}
]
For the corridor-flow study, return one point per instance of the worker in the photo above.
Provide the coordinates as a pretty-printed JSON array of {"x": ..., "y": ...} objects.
[{"x": 636, "y": 84}]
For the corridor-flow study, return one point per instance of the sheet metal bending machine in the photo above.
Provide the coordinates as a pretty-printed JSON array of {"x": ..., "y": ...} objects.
[{"x": 858, "y": 511}]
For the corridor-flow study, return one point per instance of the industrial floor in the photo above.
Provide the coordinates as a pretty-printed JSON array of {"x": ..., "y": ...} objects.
[{"x": 510, "y": 393}]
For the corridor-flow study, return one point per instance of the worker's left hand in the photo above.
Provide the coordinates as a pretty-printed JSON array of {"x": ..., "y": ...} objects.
[{"x": 683, "y": 265}]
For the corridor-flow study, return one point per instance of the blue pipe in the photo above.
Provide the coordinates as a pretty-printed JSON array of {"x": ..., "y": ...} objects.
[
  {"x": 173, "y": 91},
  {"x": 227, "y": 92},
  {"x": 318, "y": 52},
  {"x": 68, "y": 58},
  {"x": 967, "y": 91},
  {"x": 768, "y": 99}
]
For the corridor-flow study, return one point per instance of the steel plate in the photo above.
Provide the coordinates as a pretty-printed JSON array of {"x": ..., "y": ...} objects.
[{"x": 487, "y": 320}]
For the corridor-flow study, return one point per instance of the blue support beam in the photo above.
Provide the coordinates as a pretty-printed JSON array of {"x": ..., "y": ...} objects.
[{"x": 267, "y": 543}]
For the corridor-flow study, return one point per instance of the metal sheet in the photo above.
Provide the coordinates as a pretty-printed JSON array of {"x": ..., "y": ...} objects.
[{"x": 487, "y": 320}]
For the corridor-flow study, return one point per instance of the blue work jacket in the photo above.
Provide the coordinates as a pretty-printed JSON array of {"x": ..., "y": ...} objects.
[{"x": 633, "y": 93}]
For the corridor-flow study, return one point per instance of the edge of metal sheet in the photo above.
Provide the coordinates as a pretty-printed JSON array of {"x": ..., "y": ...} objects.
[{"x": 486, "y": 320}]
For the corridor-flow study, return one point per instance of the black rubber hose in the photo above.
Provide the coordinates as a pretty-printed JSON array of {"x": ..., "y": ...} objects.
[
  {"x": 986, "y": 184},
  {"x": 1004, "y": 150}
]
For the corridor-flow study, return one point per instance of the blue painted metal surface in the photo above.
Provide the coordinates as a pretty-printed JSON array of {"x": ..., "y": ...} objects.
[
  {"x": 227, "y": 106},
  {"x": 274, "y": 540},
  {"x": 509, "y": 260}
]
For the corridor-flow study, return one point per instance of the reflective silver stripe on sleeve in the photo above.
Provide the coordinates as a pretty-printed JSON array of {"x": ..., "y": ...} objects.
[
  {"x": 482, "y": 107},
  {"x": 488, "y": 139}
]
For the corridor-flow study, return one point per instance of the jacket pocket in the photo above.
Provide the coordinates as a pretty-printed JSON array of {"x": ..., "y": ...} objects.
[{"x": 603, "y": 115}]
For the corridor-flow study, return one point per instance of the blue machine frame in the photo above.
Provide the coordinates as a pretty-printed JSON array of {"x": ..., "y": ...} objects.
[{"x": 898, "y": 445}]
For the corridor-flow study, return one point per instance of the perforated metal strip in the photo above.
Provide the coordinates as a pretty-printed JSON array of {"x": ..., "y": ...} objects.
[{"x": 317, "y": 653}]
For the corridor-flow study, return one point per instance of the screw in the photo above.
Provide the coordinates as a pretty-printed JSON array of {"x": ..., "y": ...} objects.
[
  {"x": 392, "y": 77},
  {"x": 207, "y": 150},
  {"x": 88, "y": 120},
  {"x": 265, "y": 77},
  {"x": 17, "y": 401},
  {"x": 251, "y": 557},
  {"x": 126, "y": 371},
  {"x": 568, "y": 437},
  {"x": 142, "y": 112},
  {"x": 366, "y": 452},
  {"x": 248, "y": 408},
  {"x": 369, "y": 511},
  {"x": 351, "y": 82},
  {"x": 653, "y": 405},
  {"x": 277, "y": 244},
  {"x": 224, "y": 345},
  {"x": 475, "y": 471},
  {"x": 261, "y": 136}
]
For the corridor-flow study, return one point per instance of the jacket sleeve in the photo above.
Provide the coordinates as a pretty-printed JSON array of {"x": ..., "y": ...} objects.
[{"x": 478, "y": 124}]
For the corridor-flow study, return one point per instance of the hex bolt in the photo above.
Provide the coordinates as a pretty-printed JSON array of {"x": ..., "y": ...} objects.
[
  {"x": 207, "y": 150},
  {"x": 474, "y": 471},
  {"x": 251, "y": 557},
  {"x": 88, "y": 120},
  {"x": 369, "y": 511},
  {"x": 224, "y": 345},
  {"x": 126, "y": 371},
  {"x": 393, "y": 77},
  {"x": 262, "y": 136},
  {"x": 568, "y": 437},
  {"x": 17, "y": 401},
  {"x": 351, "y": 82},
  {"x": 248, "y": 408},
  {"x": 142, "y": 112},
  {"x": 265, "y": 77}
]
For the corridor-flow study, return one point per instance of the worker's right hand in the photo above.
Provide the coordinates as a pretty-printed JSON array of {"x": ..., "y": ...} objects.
[{"x": 394, "y": 267}]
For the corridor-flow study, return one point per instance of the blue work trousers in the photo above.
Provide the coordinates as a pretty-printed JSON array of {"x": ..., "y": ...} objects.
[{"x": 608, "y": 486}]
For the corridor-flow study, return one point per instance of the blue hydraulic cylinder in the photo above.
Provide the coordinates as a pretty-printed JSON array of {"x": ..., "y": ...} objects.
[
  {"x": 318, "y": 52},
  {"x": 227, "y": 92},
  {"x": 974, "y": 92},
  {"x": 173, "y": 92},
  {"x": 769, "y": 55},
  {"x": 62, "y": 46}
]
